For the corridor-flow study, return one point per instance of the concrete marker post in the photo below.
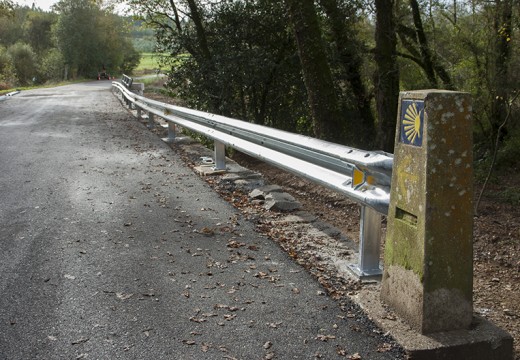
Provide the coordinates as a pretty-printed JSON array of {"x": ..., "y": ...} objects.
[{"x": 428, "y": 272}]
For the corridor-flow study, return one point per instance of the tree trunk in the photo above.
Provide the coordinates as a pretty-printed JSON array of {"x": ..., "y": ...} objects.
[
  {"x": 205, "y": 60},
  {"x": 316, "y": 72},
  {"x": 349, "y": 51},
  {"x": 387, "y": 74},
  {"x": 426, "y": 55},
  {"x": 503, "y": 28}
]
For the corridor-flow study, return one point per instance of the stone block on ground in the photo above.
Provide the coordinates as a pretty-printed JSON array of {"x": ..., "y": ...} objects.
[{"x": 280, "y": 201}]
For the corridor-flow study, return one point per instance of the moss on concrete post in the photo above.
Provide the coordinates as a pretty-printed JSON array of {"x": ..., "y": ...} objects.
[{"x": 428, "y": 275}]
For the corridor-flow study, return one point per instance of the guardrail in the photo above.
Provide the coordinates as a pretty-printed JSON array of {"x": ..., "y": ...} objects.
[
  {"x": 127, "y": 81},
  {"x": 12, "y": 93},
  {"x": 362, "y": 176}
]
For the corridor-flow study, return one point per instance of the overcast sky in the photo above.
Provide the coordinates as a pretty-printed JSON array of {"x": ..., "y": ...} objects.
[{"x": 42, "y": 4}]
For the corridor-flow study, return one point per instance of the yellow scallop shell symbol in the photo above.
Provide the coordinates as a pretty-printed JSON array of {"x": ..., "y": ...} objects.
[{"x": 412, "y": 123}]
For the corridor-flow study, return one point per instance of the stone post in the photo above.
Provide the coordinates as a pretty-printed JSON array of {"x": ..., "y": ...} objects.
[{"x": 428, "y": 271}]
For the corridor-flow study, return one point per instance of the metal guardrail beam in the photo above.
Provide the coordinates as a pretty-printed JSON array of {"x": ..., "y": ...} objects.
[{"x": 362, "y": 176}]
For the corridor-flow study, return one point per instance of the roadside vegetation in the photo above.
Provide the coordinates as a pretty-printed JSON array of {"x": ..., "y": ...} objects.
[
  {"x": 333, "y": 69},
  {"x": 76, "y": 40}
]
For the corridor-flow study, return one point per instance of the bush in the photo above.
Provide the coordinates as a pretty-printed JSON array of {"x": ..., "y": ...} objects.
[
  {"x": 7, "y": 72},
  {"x": 52, "y": 66},
  {"x": 24, "y": 60}
]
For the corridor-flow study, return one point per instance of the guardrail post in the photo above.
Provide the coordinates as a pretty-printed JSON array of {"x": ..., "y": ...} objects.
[
  {"x": 428, "y": 272},
  {"x": 220, "y": 155},
  {"x": 172, "y": 130},
  {"x": 139, "y": 113},
  {"x": 151, "y": 117},
  {"x": 369, "y": 245}
]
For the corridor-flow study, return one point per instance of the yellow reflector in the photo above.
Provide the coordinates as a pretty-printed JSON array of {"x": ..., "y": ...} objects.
[{"x": 358, "y": 178}]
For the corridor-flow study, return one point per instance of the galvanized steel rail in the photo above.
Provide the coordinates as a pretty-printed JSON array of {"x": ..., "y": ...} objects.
[{"x": 362, "y": 176}]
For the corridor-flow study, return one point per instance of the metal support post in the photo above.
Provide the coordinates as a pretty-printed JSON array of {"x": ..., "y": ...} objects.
[
  {"x": 171, "y": 132},
  {"x": 139, "y": 113},
  {"x": 151, "y": 123},
  {"x": 369, "y": 245},
  {"x": 220, "y": 156}
]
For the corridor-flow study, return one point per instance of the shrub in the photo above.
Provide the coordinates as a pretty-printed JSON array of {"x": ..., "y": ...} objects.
[{"x": 24, "y": 60}]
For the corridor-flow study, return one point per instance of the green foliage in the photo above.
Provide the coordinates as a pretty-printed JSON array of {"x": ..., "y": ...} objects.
[
  {"x": 52, "y": 65},
  {"x": 510, "y": 195},
  {"x": 248, "y": 70},
  {"x": 37, "y": 30},
  {"x": 149, "y": 62},
  {"x": 24, "y": 60},
  {"x": 7, "y": 71},
  {"x": 508, "y": 156},
  {"x": 6, "y": 8},
  {"x": 75, "y": 40}
]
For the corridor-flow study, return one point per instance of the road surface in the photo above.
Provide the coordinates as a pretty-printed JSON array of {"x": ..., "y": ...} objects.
[{"x": 111, "y": 248}]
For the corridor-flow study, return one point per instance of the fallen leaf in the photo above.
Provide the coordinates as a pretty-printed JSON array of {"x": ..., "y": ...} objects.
[
  {"x": 268, "y": 345},
  {"x": 189, "y": 342},
  {"x": 207, "y": 231},
  {"x": 235, "y": 244},
  {"x": 355, "y": 356},
  {"x": 384, "y": 347},
  {"x": 70, "y": 277},
  {"x": 269, "y": 356},
  {"x": 197, "y": 320},
  {"x": 124, "y": 296},
  {"x": 205, "y": 347},
  {"x": 341, "y": 351},
  {"x": 325, "y": 338},
  {"x": 80, "y": 341}
]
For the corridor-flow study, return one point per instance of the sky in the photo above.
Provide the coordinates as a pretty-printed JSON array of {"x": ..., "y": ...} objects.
[{"x": 42, "y": 4}]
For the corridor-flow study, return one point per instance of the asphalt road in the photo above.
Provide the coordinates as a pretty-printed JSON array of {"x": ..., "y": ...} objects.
[{"x": 111, "y": 248}]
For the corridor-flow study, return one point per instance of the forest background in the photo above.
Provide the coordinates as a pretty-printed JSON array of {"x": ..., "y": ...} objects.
[{"x": 331, "y": 69}]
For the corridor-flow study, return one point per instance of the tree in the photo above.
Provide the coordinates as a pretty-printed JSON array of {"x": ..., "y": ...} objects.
[
  {"x": 501, "y": 84},
  {"x": 6, "y": 7},
  {"x": 37, "y": 30},
  {"x": 316, "y": 71},
  {"x": 90, "y": 37},
  {"x": 24, "y": 61},
  {"x": 386, "y": 80},
  {"x": 246, "y": 67},
  {"x": 350, "y": 52},
  {"x": 7, "y": 71}
]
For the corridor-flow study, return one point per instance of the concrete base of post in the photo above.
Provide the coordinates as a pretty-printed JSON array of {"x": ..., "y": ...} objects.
[{"x": 482, "y": 341}]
